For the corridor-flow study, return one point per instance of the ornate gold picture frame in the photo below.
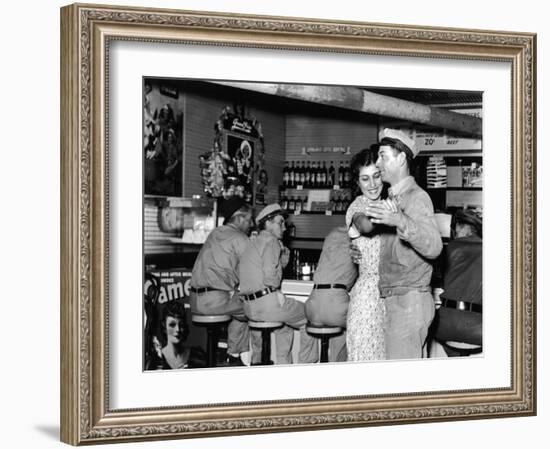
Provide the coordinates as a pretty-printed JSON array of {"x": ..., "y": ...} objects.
[{"x": 87, "y": 32}]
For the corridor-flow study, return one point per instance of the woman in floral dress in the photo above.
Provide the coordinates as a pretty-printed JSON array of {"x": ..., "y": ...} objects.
[{"x": 366, "y": 313}]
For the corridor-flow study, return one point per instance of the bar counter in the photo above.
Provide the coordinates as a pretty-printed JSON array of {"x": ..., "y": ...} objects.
[
  {"x": 297, "y": 289},
  {"x": 300, "y": 291}
]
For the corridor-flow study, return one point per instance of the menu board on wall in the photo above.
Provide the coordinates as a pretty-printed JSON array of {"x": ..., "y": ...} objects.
[{"x": 428, "y": 140}]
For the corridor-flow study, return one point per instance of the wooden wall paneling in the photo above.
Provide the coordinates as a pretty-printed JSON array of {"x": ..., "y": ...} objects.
[
  {"x": 325, "y": 131},
  {"x": 202, "y": 110},
  {"x": 201, "y": 114},
  {"x": 317, "y": 131},
  {"x": 274, "y": 130},
  {"x": 315, "y": 225}
]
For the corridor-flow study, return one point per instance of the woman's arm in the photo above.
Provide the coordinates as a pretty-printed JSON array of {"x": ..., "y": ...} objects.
[
  {"x": 362, "y": 223},
  {"x": 356, "y": 220}
]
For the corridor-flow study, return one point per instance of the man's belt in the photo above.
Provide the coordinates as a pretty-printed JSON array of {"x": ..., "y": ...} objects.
[
  {"x": 461, "y": 305},
  {"x": 327, "y": 286},
  {"x": 200, "y": 290},
  {"x": 258, "y": 294},
  {"x": 386, "y": 292}
]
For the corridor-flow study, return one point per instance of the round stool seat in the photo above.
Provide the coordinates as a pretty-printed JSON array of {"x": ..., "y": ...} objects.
[
  {"x": 265, "y": 327},
  {"x": 210, "y": 319},
  {"x": 324, "y": 333},
  {"x": 264, "y": 324},
  {"x": 213, "y": 325},
  {"x": 323, "y": 330}
]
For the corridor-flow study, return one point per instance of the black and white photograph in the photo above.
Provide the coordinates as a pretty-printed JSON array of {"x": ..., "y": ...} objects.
[
  {"x": 304, "y": 224},
  {"x": 282, "y": 220}
]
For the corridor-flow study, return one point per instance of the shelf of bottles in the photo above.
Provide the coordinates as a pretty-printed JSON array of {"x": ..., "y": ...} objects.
[
  {"x": 302, "y": 265},
  {"x": 301, "y": 177},
  {"x": 301, "y": 270}
]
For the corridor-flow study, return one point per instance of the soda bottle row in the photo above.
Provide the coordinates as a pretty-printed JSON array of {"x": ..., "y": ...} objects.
[
  {"x": 297, "y": 204},
  {"x": 339, "y": 203},
  {"x": 301, "y": 270},
  {"x": 316, "y": 174},
  {"x": 293, "y": 203}
]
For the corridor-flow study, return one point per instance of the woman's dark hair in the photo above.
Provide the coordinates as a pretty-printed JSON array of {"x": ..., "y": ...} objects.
[
  {"x": 365, "y": 157},
  {"x": 174, "y": 309}
]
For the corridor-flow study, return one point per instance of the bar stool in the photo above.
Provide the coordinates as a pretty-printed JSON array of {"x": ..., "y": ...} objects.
[
  {"x": 266, "y": 327},
  {"x": 324, "y": 333},
  {"x": 213, "y": 325}
]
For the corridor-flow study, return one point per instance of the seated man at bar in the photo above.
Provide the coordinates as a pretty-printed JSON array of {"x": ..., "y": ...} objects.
[
  {"x": 215, "y": 280},
  {"x": 458, "y": 323},
  {"x": 260, "y": 277},
  {"x": 328, "y": 302}
]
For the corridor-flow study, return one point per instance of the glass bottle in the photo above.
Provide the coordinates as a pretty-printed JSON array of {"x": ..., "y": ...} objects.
[
  {"x": 331, "y": 204},
  {"x": 347, "y": 174},
  {"x": 303, "y": 173},
  {"x": 307, "y": 178},
  {"x": 345, "y": 203},
  {"x": 292, "y": 204},
  {"x": 312, "y": 175},
  {"x": 324, "y": 175},
  {"x": 291, "y": 176},
  {"x": 298, "y": 204},
  {"x": 284, "y": 202},
  {"x": 331, "y": 174},
  {"x": 319, "y": 177},
  {"x": 296, "y": 262},
  {"x": 341, "y": 175},
  {"x": 297, "y": 174},
  {"x": 285, "y": 174},
  {"x": 337, "y": 204}
]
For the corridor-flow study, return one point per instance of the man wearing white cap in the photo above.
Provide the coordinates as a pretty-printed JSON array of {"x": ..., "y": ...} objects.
[
  {"x": 260, "y": 277},
  {"x": 411, "y": 242}
]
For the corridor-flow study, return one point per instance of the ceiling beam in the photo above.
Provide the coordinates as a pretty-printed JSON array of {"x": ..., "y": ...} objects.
[{"x": 362, "y": 100}]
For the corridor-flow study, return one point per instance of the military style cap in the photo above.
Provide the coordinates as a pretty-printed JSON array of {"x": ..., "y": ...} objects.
[
  {"x": 402, "y": 137},
  {"x": 269, "y": 212}
]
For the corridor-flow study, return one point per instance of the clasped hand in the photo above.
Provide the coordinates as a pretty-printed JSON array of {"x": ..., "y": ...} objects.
[
  {"x": 380, "y": 212},
  {"x": 385, "y": 212}
]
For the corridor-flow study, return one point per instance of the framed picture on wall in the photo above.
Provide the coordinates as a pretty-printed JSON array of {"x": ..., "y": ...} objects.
[
  {"x": 162, "y": 139},
  {"x": 107, "y": 396},
  {"x": 240, "y": 151}
]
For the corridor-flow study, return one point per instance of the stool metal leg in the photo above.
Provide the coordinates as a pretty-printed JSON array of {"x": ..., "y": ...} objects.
[
  {"x": 266, "y": 347},
  {"x": 212, "y": 345},
  {"x": 324, "y": 348}
]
